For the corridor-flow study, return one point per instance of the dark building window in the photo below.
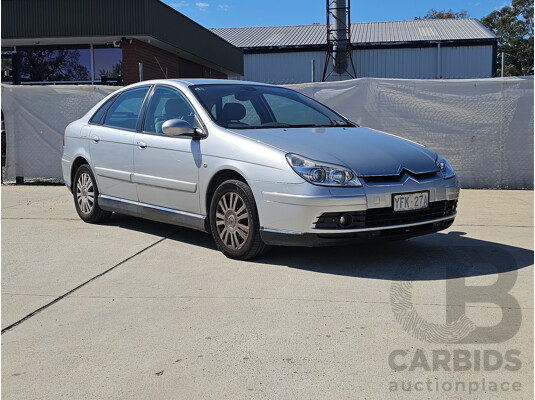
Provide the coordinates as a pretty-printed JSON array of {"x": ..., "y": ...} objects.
[
  {"x": 108, "y": 62},
  {"x": 64, "y": 64},
  {"x": 7, "y": 64},
  {"x": 55, "y": 64}
]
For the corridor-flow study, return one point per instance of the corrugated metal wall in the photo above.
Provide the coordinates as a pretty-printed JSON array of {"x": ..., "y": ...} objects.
[
  {"x": 467, "y": 62},
  {"x": 283, "y": 67},
  {"x": 419, "y": 63},
  {"x": 407, "y": 63}
]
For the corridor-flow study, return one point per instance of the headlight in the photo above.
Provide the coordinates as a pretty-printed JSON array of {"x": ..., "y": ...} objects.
[
  {"x": 322, "y": 174},
  {"x": 445, "y": 168}
]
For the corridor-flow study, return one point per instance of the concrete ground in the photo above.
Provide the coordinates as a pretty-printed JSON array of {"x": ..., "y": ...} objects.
[{"x": 134, "y": 309}]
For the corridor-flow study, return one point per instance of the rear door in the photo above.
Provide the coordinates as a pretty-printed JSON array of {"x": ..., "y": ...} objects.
[{"x": 112, "y": 145}]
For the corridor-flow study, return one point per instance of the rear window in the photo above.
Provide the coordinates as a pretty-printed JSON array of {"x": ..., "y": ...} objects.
[
  {"x": 124, "y": 111},
  {"x": 97, "y": 117}
]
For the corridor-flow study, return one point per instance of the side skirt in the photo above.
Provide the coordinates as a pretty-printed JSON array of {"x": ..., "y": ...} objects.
[{"x": 154, "y": 213}]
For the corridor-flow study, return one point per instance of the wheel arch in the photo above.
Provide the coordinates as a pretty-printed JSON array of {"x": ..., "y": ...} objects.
[
  {"x": 78, "y": 161},
  {"x": 215, "y": 181}
]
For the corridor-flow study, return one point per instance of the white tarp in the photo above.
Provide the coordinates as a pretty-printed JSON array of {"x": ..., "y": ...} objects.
[
  {"x": 484, "y": 127},
  {"x": 35, "y": 120}
]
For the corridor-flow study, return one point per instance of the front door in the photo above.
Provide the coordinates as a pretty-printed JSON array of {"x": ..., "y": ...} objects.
[{"x": 166, "y": 167}]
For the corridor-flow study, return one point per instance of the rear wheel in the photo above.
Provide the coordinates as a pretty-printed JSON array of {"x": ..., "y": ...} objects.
[
  {"x": 234, "y": 221},
  {"x": 85, "y": 193}
]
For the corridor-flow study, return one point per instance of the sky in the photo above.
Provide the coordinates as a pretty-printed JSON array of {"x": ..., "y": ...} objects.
[{"x": 236, "y": 13}]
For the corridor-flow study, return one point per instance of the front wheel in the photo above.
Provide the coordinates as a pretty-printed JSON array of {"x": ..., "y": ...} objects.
[
  {"x": 234, "y": 221},
  {"x": 85, "y": 193}
]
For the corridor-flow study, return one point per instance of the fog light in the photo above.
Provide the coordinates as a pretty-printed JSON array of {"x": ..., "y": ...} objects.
[{"x": 345, "y": 220}]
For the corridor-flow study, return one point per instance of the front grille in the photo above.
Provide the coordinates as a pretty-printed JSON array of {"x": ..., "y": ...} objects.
[
  {"x": 378, "y": 217},
  {"x": 399, "y": 179}
]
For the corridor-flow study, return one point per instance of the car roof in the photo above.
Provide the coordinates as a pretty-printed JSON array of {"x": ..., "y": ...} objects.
[{"x": 199, "y": 81}]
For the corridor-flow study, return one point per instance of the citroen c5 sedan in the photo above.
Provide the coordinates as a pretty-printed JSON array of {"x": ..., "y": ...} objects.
[{"x": 254, "y": 165}]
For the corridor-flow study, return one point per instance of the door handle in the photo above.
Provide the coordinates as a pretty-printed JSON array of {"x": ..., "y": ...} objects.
[
  {"x": 141, "y": 145},
  {"x": 96, "y": 139}
]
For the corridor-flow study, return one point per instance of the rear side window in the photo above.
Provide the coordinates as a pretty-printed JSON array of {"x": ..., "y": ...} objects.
[
  {"x": 97, "y": 117},
  {"x": 124, "y": 112}
]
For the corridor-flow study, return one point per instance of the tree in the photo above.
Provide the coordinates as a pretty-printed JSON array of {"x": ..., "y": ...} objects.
[
  {"x": 514, "y": 28},
  {"x": 116, "y": 70},
  {"x": 52, "y": 65},
  {"x": 434, "y": 14}
]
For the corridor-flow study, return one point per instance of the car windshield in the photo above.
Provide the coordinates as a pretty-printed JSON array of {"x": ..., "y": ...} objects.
[{"x": 263, "y": 107}]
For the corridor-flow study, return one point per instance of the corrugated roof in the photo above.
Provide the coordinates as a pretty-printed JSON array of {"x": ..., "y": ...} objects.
[
  {"x": 361, "y": 33},
  {"x": 29, "y": 19}
]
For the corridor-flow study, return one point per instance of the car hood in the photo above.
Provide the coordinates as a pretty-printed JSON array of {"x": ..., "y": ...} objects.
[{"x": 366, "y": 151}]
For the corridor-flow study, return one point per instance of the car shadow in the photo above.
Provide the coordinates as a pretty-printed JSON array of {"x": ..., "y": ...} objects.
[
  {"x": 436, "y": 256},
  {"x": 178, "y": 233}
]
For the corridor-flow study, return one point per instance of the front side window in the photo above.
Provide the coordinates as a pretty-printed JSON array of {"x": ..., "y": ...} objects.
[
  {"x": 261, "y": 107},
  {"x": 165, "y": 104},
  {"x": 124, "y": 112}
]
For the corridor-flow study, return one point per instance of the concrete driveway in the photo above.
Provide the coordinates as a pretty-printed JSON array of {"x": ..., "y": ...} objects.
[{"x": 134, "y": 309}]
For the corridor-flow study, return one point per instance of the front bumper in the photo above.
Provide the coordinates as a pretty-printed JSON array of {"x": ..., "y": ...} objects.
[
  {"x": 281, "y": 238},
  {"x": 289, "y": 213}
]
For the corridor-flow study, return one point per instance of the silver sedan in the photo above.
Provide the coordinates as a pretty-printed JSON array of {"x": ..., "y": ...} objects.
[{"x": 253, "y": 164}]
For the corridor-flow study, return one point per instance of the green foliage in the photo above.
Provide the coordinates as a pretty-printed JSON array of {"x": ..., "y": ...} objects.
[
  {"x": 514, "y": 27},
  {"x": 52, "y": 65},
  {"x": 443, "y": 14},
  {"x": 115, "y": 71}
]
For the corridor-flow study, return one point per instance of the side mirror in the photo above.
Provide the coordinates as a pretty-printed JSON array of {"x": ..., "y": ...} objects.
[{"x": 179, "y": 127}]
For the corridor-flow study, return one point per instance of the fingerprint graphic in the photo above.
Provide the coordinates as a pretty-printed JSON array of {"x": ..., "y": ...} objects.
[{"x": 407, "y": 316}]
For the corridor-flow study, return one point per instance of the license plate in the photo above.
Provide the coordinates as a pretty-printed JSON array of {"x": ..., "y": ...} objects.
[{"x": 411, "y": 201}]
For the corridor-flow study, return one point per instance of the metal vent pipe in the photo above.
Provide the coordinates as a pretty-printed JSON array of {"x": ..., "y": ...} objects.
[{"x": 340, "y": 47}]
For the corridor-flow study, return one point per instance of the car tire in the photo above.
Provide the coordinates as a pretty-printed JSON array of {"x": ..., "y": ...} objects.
[
  {"x": 85, "y": 193},
  {"x": 234, "y": 221}
]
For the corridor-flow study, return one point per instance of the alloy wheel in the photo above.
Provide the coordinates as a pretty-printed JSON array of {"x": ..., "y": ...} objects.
[
  {"x": 232, "y": 220},
  {"x": 85, "y": 193}
]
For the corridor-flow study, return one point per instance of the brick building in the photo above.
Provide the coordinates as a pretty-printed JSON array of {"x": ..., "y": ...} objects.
[{"x": 108, "y": 41}]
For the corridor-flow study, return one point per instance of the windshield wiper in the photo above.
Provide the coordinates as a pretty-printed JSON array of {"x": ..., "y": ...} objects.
[
  {"x": 307, "y": 126},
  {"x": 319, "y": 126},
  {"x": 275, "y": 125}
]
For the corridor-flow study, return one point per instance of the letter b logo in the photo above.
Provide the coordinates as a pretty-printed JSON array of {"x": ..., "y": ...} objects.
[{"x": 458, "y": 328}]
